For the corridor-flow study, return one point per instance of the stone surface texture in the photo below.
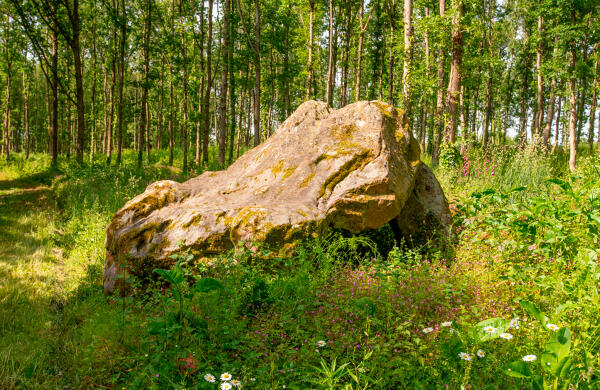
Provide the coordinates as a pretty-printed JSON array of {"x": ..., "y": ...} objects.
[{"x": 355, "y": 168}]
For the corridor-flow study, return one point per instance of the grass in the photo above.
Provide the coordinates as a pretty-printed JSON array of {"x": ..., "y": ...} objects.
[{"x": 263, "y": 324}]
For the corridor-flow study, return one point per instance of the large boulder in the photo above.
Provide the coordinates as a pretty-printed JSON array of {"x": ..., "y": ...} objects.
[{"x": 355, "y": 168}]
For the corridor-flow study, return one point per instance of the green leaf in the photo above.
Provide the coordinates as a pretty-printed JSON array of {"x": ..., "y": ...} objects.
[
  {"x": 207, "y": 284},
  {"x": 174, "y": 276},
  {"x": 533, "y": 311},
  {"x": 479, "y": 334},
  {"x": 518, "y": 369},
  {"x": 537, "y": 382},
  {"x": 555, "y": 358}
]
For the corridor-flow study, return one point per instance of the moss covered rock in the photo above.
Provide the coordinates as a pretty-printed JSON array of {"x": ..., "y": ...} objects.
[{"x": 354, "y": 168}]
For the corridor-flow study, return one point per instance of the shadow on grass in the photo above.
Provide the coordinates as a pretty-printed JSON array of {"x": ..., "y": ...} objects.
[{"x": 43, "y": 178}]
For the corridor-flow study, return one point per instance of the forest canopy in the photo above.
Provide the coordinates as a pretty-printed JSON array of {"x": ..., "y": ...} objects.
[{"x": 88, "y": 77}]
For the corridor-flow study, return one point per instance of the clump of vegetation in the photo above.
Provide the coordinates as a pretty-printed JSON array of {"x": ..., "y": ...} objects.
[{"x": 514, "y": 305}]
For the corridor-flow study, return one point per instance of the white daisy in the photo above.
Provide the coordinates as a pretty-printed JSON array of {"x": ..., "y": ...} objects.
[
  {"x": 427, "y": 330},
  {"x": 447, "y": 323},
  {"x": 236, "y": 383},
  {"x": 225, "y": 377},
  {"x": 552, "y": 327},
  {"x": 465, "y": 356},
  {"x": 226, "y": 386},
  {"x": 506, "y": 336},
  {"x": 529, "y": 358},
  {"x": 209, "y": 378},
  {"x": 321, "y": 343},
  {"x": 489, "y": 329},
  {"x": 481, "y": 353},
  {"x": 514, "y": 323}
]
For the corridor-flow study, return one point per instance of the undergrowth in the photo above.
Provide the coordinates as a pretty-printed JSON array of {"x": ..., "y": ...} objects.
[{"x": 344, "y": 312}]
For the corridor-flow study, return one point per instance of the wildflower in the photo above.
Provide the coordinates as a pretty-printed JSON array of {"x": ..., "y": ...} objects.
[
  {"x": 529, "y": 358},
  {"x": 552, "y": 327},
  {"x": 236, "y": 383},
  {"x": 209, "y": 378},
  {"x": 427, "y": 330},
  {"x": 226, "y": 386},
  {"x": 252, "y": 379},
  {"x": 321, "y": 343},
  {"x": 465, "y": 356},
  {"x": 514, "y": 323},
  {"x": 481, "y": 353},
  {"x": 226, "y": 377},
  {"x": 447, "y": 323},
  {"x": 506, "y": 336},
  {"x": 489, "y": 329},
  {"x": 362, "y": 370}
]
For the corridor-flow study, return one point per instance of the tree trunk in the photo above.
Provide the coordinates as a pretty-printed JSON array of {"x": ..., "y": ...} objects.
[
  {"x": 201, "y": 88},
  {"x": 7, "y": 144},
  {"x": 26, "y": 114},
  {"x": 573, "y": 111},
  {"x": 121, "y": 73},
  {"x": 525, "y": 87},
  {"x": 171, "y": 124},
  {"x": 392, "y": 17},
  {"x": 94, "y": 80},
  {"x": 455, "y": 76},
  {"x": 75, "y": 48},
  {"x": 111, "y": 111},
  {"x": 556, "y": 131},
  {"x": 232, "y": 96},
  {"x": 330, "y": 72},
  {"x": 540, "y": 84},
  {"x": 54, "y": 100},
  {"x": 225, "y": 48},
  {"x": 311, "y": 44},
  {"x": 408, "y": 53},
  {"x": 439, "y": 120},
  {"x": 593, "y": 106},
  {"x": 208, "y": 87},
  {"x": 145, "y": 71},
  {"x": 426, "y": 94},
  {"x": 184, "y": 123},
  {"x": 361, "y": 35},
  {"x": 257, "y": 73}
]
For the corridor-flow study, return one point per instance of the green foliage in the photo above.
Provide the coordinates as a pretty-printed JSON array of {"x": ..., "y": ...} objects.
[
  {"x": 263, "y": 321},
  {"x": 450, "y": 156}
]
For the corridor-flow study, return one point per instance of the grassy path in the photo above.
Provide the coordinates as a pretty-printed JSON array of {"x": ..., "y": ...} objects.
[{"x": 31, "y": 273}]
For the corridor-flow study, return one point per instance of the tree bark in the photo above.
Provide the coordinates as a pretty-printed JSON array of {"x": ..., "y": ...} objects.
[
  {"x": 408, "y": 54},
  {"x": 185, "y": 88},
  {"x": 208, "y": 87},
  {"x": 361, "y": 34},
  {"x": 439, "y": 120},
  {"x": 146, "y": 70},
  {"x": 7, "y": 97},
  {"x": 593, "y": 105},
  {"x": 455, "y": 75},
  {"x": 573, "y": 111},
  {"x": 392, "y": 17},
  {"x": 225, "y": 49},
  {"x": 26, "y": 113},
  {"x": 557, "y": 127},
  {"x": 121, "y": 73},
  {"x": 540, "y": 84},
  {"x": 54, "y": 100},
  {"x": 311, "y": 44},
  {"x": 201, "y": 88},
  {"x": 330, "y": 72}
]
